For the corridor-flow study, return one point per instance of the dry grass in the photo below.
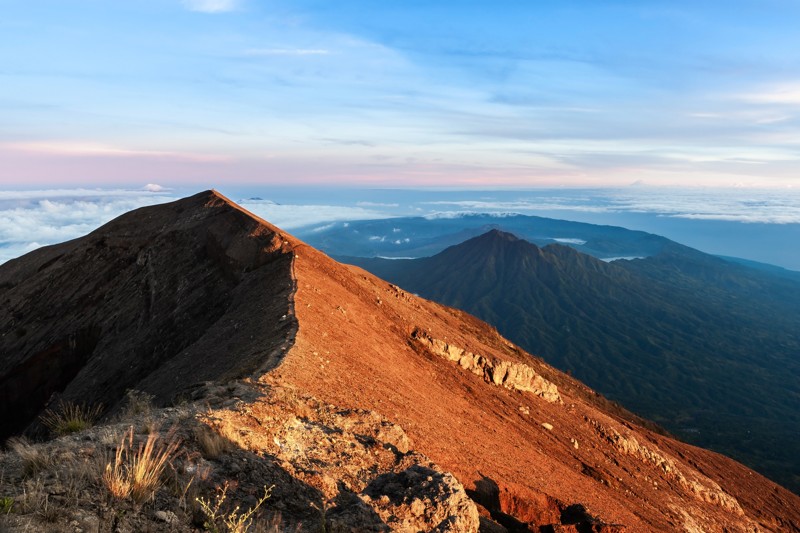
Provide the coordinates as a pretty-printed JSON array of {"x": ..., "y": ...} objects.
[
  {"x": 137, "y": 474},
  {"x": 137, "y": 403},
  {"x": 33, "y": 459},
  {"x": 211, "y": 443},
  {"x": 70, "y": 418}
]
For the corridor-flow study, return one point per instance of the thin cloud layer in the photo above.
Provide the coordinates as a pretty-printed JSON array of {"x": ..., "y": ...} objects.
[
  {"x": 288, "y": 216},
  {"x": 516, "y": 94},
  {"x": 211, "y": 6},
  {"x": 30, "y": 219}
]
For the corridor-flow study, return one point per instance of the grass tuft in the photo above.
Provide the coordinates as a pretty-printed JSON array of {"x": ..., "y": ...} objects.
[
  {"x": 211, "y": 443},
  {"x": 70, "y": 418},
  {"x": 6, "y": 505},
  {"x": 32, "y": 458},
  {"x": 137, "y": 474}
]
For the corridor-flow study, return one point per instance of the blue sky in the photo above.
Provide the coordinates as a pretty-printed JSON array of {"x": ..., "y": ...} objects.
[{"x": 399, "y": 93}]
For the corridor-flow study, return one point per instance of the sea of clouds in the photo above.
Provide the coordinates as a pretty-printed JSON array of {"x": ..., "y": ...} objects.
[{"x": 33, "y": 218}]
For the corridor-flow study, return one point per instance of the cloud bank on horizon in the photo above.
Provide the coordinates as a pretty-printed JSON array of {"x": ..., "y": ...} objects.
[
  {"x": 33, "y": 218},
  {"x": 502, "y": 93}
]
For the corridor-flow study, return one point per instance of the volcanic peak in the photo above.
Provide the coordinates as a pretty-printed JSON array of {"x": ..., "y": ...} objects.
[{"x": 168, "y": 298}]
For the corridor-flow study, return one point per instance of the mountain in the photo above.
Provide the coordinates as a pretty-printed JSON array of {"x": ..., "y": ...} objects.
[
  {"x": 405, "y": 237},
  {"x": 706, "y": 348},
  {"x": 367, "y": 408}
]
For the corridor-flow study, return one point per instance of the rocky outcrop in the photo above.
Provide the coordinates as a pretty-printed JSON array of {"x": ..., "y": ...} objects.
[
  {"x": 364, "y": 466},
  {"x": 421, "y": 498},
  {"x": 697, "y": 485},
  {"x": 508, "y": 374}
]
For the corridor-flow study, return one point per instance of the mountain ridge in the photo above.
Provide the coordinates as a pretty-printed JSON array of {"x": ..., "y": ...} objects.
[{"x": 527, "y": 442}]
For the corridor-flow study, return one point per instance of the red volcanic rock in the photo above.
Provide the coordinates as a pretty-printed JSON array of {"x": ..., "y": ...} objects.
[{"x": 201, "y": 290}]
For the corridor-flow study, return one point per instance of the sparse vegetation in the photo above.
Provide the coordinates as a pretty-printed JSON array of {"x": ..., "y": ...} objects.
[
  {"x": 6, "y": 505},
  {"x": 137, "y": 403},
  {"x": 70, "y": 418},
  {"x": 211, "y": 443},
  {"x": 137, "y": 474},
  {"x": 32, "y": 458},
  {"x": 218, "y": 521}
]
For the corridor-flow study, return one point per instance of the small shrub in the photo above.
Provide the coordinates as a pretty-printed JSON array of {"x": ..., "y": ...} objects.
[
  {"x": 137, "y": 474},
  {"x": 232, "y": 522},
  {"x": 70, "y": 418},
  {"x": 32, "y": 458},
  {"x": 137, "y": 403},
  {"x": 211, "y": 443}
]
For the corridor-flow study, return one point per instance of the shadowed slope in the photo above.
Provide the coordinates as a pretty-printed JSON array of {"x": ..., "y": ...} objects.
[{"x": 154, "y": 300}]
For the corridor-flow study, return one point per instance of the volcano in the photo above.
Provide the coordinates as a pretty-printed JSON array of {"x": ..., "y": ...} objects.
[{"x": 176, "y": 297}]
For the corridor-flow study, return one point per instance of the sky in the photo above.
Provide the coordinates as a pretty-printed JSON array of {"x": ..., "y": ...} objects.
[{"x": 500, "y": 93}]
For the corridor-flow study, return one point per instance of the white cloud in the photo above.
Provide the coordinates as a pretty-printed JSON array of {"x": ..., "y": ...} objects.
[
  {"x": 31, "y": 219},
  {"x": 568, "y": 240},
  {"x": 265, "y": 52},
  {"x": 211, "y": 6},
  {"x": 788, "y": 94},
  {"x": 322, "y": 228},
  {"x": 288, "y": 216},
  {"x": 376, "y": 204},
  {"x": 153, "y": 187},
  {"x": 543, "y": 204},
  {"x": 461, "y": 214},
  {"x": 84, "y": 149}
]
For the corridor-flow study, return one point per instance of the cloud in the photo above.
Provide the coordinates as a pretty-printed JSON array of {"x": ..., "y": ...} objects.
[
  {"x": 376, "y": 204},
  {"x": 746, "y": 205},
  {"x": 787, "y": 94},
  {"x": 211, "y": 6},
  {"x": 83, "y": 149},
  {"x": 34, "y": 218},
  {"x": 290, "y": 216},
  {"x": 569, "y": 240},
  {"x": 265, "y": 52},
  {"x": 510, "y": 208},
  {"x": 31, "y": 219}
]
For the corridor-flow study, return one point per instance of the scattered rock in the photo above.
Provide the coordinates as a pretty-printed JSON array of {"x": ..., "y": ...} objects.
[
  {"x": 423, "y": 498},
  {"x": 166, "y": 516}
]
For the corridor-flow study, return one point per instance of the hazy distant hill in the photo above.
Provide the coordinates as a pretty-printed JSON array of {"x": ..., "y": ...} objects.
[
  {"x": 425, "y": 236},
  {"x": 708, "y": 348}
]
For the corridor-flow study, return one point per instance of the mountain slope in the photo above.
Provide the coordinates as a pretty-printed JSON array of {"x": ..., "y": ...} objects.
[
  {"x": 536, "y": 449},
  {"x": 152, "y": 295},
  {"x": 686, "y": 339}
]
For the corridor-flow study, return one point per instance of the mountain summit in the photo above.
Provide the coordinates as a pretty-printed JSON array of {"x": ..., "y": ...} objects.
[{"x": 199, "y": 293}]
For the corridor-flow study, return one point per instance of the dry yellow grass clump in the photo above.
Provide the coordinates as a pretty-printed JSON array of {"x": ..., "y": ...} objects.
[{"x": 136, "y": 474}]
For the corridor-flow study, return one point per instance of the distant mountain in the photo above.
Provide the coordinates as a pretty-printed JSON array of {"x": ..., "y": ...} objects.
[
  {"x": 425, "y": 236},
  {"x": 365, "y": 407},
  {"x": 707, "y": 348}
]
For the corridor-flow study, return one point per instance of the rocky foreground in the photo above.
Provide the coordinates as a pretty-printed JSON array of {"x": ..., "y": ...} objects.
[{"x": 364, "y": 407}]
